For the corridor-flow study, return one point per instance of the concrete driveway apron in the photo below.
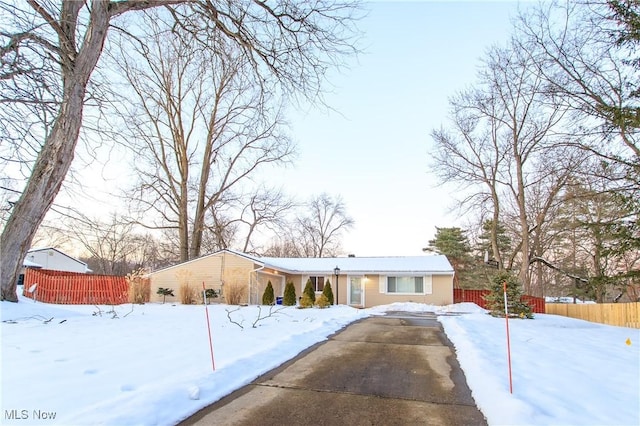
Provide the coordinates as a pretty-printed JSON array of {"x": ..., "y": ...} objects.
[{"x": 398, "y": 369}]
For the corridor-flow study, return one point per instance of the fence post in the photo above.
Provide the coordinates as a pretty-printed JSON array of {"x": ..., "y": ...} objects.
[{"x": 206, "y": 309}]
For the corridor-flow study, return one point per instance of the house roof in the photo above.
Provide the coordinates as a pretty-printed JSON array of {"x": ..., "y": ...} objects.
[
  {"x": 437, "y": 264},
  {"x": 432, "y": 264},
  {"x": 36, "y": 250},
  {"x": 215, "y": 253}
]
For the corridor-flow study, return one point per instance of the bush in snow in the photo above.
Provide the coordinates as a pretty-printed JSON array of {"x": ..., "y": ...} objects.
[
  {"x": 289, "y": 298},
  {"x": 327, "y": 292},
  {"x": 322, "y": 301},
  {"x": 188, "y": 294},
  {"x": 495, "y": 299},
  {"x": 164, "y": 292},
  {"x": 186, "y": 291},
  {"x": 139, "y": 287},
  {"x": 235, "y": 294},
  {"x": 268, "y": 297},
  {"x": 310, "y": 291},
  {"x": 305, "y": 301}
]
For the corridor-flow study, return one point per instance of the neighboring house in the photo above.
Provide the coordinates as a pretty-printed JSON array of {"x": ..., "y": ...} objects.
[
  {"x": 362, "y": 281},
  {"x": 53, "y": 259}
]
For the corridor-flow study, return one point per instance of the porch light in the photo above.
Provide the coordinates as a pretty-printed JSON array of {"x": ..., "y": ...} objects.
[{"x": 336, "y": 272}]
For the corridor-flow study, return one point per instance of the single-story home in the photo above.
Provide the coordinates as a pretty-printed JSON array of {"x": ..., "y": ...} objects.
[
  {"x": 54, "y": 259},
  {"x": 361, "y": 281}
]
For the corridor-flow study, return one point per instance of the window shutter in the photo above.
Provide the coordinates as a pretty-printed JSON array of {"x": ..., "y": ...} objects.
[
  {"x": 428, "y": 284},
  {"x": 382, "y": 280}
]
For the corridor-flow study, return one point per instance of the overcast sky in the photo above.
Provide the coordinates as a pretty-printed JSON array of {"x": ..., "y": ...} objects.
[{"x": 375, "y": 153}]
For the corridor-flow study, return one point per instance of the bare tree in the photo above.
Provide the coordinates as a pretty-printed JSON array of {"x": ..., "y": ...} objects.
[
  {"x": 110, "y": 245},
  {"x": 575, "y": 49},
  {"x": 207, "y": 127},
  {"x": 505, "y": 139},
  {"x": 530, "y": 121},
  {"x": 471, "y": 151},
  {"x": 266, "y": 210},
  {"x": 294, "y": 41},
  {"x": 282, "y": 247},
  {"x": 316, "y": 230},
  {"x": 321, "y": 226}
]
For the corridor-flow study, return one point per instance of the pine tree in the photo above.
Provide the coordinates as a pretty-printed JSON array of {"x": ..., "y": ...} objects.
[
  {"x": 268, "y": 297},
  {"x": 454, "y": 244},
  {"x": 310, "y": 291},
  {"x": 327, "y": 292},
  {"x": 164, "y": 292},
  {"x": 495, "y": 299},
  {"x": 289, "y": 298}
]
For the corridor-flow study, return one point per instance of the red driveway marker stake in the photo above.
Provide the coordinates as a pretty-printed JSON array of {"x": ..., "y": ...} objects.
[
  {"x": 506, "y": 317},
  {"x": 206, "y": 309}
]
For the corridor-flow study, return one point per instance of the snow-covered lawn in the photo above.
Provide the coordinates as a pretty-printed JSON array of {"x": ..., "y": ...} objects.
[{"x": 152, "y": 365}]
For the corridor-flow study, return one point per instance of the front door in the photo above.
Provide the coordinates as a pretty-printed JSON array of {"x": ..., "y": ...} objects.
[{"x": 356, "y": 296}]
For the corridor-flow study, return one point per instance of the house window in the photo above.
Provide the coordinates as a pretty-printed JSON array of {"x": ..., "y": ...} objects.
[
  {"x": 405, "y": 285},
  {"x": 318, "y": 283}
]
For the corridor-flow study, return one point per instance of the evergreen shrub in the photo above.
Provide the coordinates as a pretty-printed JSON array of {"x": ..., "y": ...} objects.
[
  {"x": 495, "y": 299},
  {"x": 289, "y": 298},
  {"x": 268, "y": 298},
  {"x": 310, "y": 291},
  {"x": 327, "y": 292}
]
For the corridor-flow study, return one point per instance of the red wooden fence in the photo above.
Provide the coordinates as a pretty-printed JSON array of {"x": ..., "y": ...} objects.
[
  {"x": 475, "y": 296},
  {"x": 72, "y": 288}
]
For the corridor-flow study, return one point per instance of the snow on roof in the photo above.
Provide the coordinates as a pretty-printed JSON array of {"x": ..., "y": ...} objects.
[{"x": 431, "y": 264}]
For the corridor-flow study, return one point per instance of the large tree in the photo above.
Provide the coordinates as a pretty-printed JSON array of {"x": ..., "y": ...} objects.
[
  {"x": 201, "y": 123},
  {"x": 321, "y": 226},
  {"x": 504, "y": 145},
  {"x": 40, "y": 41},
  {"x": 471, "y": 154},
  {"x": 316, "y": 230},
  {"x": 586, "y": 54},
  {"x": 112, "y": 246},
  {"x": 454, "y": 244}
]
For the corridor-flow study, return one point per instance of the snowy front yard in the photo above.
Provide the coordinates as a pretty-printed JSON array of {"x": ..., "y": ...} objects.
[{"x": 64, "y": 365}]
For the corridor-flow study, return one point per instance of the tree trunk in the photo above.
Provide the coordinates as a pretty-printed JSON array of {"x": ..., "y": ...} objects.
[
  {"x": 57, "y": 153},
  {"x": 495, "y": 248},
  {"x": 46, "y": 179},
  {"x": 524, "y": 226}
]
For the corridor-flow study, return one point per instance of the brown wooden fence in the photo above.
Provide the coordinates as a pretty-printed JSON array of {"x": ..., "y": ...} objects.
[
  {"x": 73, "y": 288},
  {"x": 618, "y": 314},
  {"x": 476, "y": 296}
]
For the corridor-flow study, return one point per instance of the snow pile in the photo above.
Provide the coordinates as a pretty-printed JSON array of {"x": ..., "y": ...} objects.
[
  {"x": 143, "y": 364},
  {"x": 565, "y": 371},
  {"x": 150, "y": 364},
  {"x": 421, "y": 307}
]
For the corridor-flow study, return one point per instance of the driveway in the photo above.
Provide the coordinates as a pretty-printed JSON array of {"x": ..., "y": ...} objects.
[{"x": 399, "y": 369}]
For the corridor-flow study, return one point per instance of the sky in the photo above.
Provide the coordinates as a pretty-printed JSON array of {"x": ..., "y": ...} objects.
[
  {"x": 374, "y": 151},
  {"x": 565, "y": 371},
  {"x": 372, "y": 147}
]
